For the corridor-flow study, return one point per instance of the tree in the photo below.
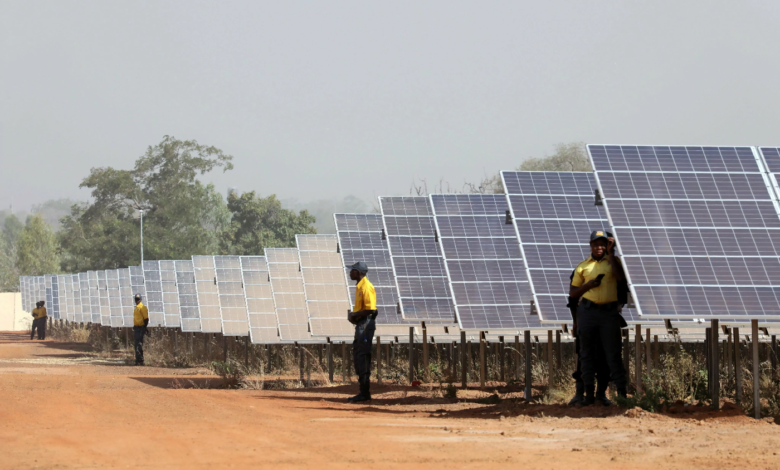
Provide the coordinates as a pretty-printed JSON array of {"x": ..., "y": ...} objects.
[
  {"x": 54, "y": 210},
  {"x": 9, "y": 275},
  {"x": 37, "y": 249},
  {"x": 12, "y": 227},
  {"x": 183, "y": 216},
  {"x": 567, "y": 157},
  {"x": 260, "y": 223}
]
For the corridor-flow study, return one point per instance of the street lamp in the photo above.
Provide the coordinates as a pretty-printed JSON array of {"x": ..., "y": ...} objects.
[{"x": 140, "y": 215}]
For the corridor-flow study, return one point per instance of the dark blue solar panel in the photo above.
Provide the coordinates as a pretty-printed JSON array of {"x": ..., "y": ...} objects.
[
  {"x": 465, "y": 226},
  {"x": 558, "y": 231},
  {"x": 486, "y": 270},
  {"x": 374, "y": 259},
  {"x": 469, "y": 204},
  {"x": 359, "y": 222},
  {"x": 673, "y": 159},
  {"x": 549, "y": 183},
  {"x": 556, "y": 207},
  {"x": 481, "y": 248},
  {"x": 413, "y": 246},
  {"x": 700, "y": 241},
  {"x": 555, "y": 256},
  {"x": 425, "y": 267},
  {"x": 684, "y": 186},
  {"x": 701, "y": 214},
  {"x": 772, "y": 158},
  {"x": 361, "y": 241},
  {"x": 410, "y": 226}
]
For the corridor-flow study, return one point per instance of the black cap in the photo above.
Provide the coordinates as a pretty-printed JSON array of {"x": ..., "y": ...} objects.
[
  {"x": 596, "y": 234},
  {"x": 360, "y": 266},
  {"x": 137, "y": 296}
]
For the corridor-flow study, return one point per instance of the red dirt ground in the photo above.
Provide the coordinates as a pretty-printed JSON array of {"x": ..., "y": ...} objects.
[{"x": 62, "y": 407}]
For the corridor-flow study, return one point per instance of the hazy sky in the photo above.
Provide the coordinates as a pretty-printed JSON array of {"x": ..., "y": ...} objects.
[{"x": 319, "y": 100}]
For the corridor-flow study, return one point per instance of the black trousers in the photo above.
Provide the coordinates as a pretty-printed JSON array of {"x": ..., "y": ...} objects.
[
  {"x": 40, "y": 325},
  {"x": 361, "y": 353},
  {"x": 138, "y": 340},
  {"x": 599, "y": 333},
  {"x": 602, "y": 369}
]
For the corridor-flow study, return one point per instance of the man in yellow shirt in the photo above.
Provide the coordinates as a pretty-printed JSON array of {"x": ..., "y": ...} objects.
[
  {"x": 362, "y": 316},
  {"x": 39, "y": 320},
  {"x": 595, "y": 283},
  {"x": 140, "y": 324}
]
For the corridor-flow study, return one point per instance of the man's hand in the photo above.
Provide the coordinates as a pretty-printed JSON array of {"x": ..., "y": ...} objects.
[{"x": 611, "y": 246}]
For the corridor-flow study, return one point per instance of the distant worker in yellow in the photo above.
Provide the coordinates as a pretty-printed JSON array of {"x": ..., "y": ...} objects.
[
  {"x": 140, "y": 324},
  {"x": 363, "y": 316},
  {"x": 39, "y": 320}
]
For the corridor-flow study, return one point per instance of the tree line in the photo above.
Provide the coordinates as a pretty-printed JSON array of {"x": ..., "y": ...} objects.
[{"x": 182, "y": 217}]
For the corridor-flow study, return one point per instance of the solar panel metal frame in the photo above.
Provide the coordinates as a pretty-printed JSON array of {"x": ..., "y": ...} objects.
[
  {"x": 105, "y": 308},
  {"x": 188, "y": 296},
  {"x": 444, "y": 310},
  {"x": 520, "y": 312},
  {"x": 389, "y": 321},
  {"x": 627, "y": 259},
  {"x": 232, "y": 299},
  {"x": 261, "y": 310},
  {"x": 327, "y": 303},
  {"x": 286, "y": 291},
  {"x": 137, "y": 286},
  {"x": 50, "y": 307},
  {"x": 86, "y": 297},
  {"x": 75, "y": 289},
  {"x": 126, "y": 301},
  {"x": 94, "y": 297},
  {"x": 584, "y": 192},
  {"x": 66, "y": 300},
  {"x": 208, "y": 294}
]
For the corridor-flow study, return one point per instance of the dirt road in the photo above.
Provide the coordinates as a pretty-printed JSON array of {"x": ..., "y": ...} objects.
[{"x": 61, "y": 407}]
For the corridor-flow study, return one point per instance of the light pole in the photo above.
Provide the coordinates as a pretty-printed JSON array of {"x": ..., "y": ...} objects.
[{"x": 141, "y": 211}]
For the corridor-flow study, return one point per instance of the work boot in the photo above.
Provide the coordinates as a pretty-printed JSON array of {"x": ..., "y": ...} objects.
[
  {"x": 622, "y": 392},
  {"x": 358, "y": 399},
  {"x": 578, "y": 394},
  {"x": 589, "y": 396},
  {"x": 602, "y": 398}
]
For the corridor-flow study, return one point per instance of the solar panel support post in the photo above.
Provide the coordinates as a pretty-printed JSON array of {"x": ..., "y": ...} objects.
[
  {"x": 378, "y": 359},
  {"x": 648, "y": 351},
  {"x": 224, "y": 349},
  {"x": 550, "y": 362},
  {"x": 656, "y": 352},
  {"x": 344, "y": 361},
  {"x": 737, "y": 366},
  {"x": 638, "y": 359},
  {"x": 756, "y": 371},
  {"x": 558, "y": 351},
  {"x": 411, "y": 354},
  {"x": 301, "y": 360},
  {"x": 482, "y": 359},
  {"x": 729, "y": 364},
  {"x": 501, "y": 364},
  {"x": 451, "y": 360},
  {"x": 174, "y": 346},
  {"x": 463, "y": 362},
  {"x": 715, "y": 364},
  {"x": 707, "y": 350},
  {"x": 773, "y": 357},
  {"x": 330, "y": 361},
  {"x": 246, "y": 351},
  {"x": 207, "y": 345},
  {"x": 426, "y": 372},
  {"x": 517, "y": 358},
  {"x": 528, "y": 376}
]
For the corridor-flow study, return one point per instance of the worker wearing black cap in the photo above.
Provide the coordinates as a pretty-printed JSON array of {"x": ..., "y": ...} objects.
[
  {"x": 596, "y": 281},
  {"x": 362, "y": 316},
  {"x": 39, "y": 320},
  {"x": 140, "y": 324}
]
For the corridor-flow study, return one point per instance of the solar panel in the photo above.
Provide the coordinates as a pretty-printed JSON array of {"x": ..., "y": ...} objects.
[
  {"x": 126, "y": 303},
  {"x": 208, "y": 294},
  {"x": 94, "y": 297},
  {"x": 63, "y": 290},
  {"x": 154, "y": 293},
  {"x": 49, "y": 298},
  {"x": 541, "y": 202},
  {"x": 327, "y": 297},
  {"x": 360, "y": 239},
  {"x": 416, "y": 258},
  {"x": 114, "y": 298},
  {"x": 170, "y": 294},
  {"x": 232, "y": 301},
  {"x": 673, "y": 210},
  {"x": 484, "y": 263},
  {"x": 105, "y": 308},
  {"x": 86, "y": 298},
  {"x": 188, "y": 296},
  {"x": 288, "y": 292},
  {"x": 58, "y": 297},
  {"x": 263, "y": 324}
]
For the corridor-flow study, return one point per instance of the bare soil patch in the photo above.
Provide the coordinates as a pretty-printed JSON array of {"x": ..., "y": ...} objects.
[{"x": 64, "y": 407}]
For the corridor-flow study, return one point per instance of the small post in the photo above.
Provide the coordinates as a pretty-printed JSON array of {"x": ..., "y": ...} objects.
[
  {"x": 308, "y": 367},
  {"x": 729, "y": 363},
  {"x": 127, "y": 338},
  {"x": 626, "y": 352},
  {"x": 773, "y": 357},
  {"x": 330, "y": 361},
  {"x": 656, "y": 352},
  {"x": 224, "y": 348},
  {"x": 482, "y": 362},
  {"x": 528, "y": 374},
  {"x": 638, "y": 359},
  {"x": 174, "y": 345},
  {"x": 301, "y": 361},
  {"x": 319, "y": 355},
  {"x": 426, "y": 372},
  {"x": 463, "y": 362},
  {"x": 378, "y": 360},
  {"x": 246, "y": 351},
  {"x": 207, "y": 345},
  {"x": 501, "y": 363},
  {"x": 344, "y": 361},
  {"x": 268, "y": 358},
  {"x": 558, "y": 351},
  {"x": 714, "y": 360},
  {"x": 707, "y": 354},
  {"x": 550, "y": 368},
  {"x": 648, "y": 352},
  {"x": 453, "y": 363},
  {"x": 517, "y": 358},
  {"x": 737, "y": 365},
  {"x": 756, "y": 372},
  {"x": 411, "y": 354}
]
